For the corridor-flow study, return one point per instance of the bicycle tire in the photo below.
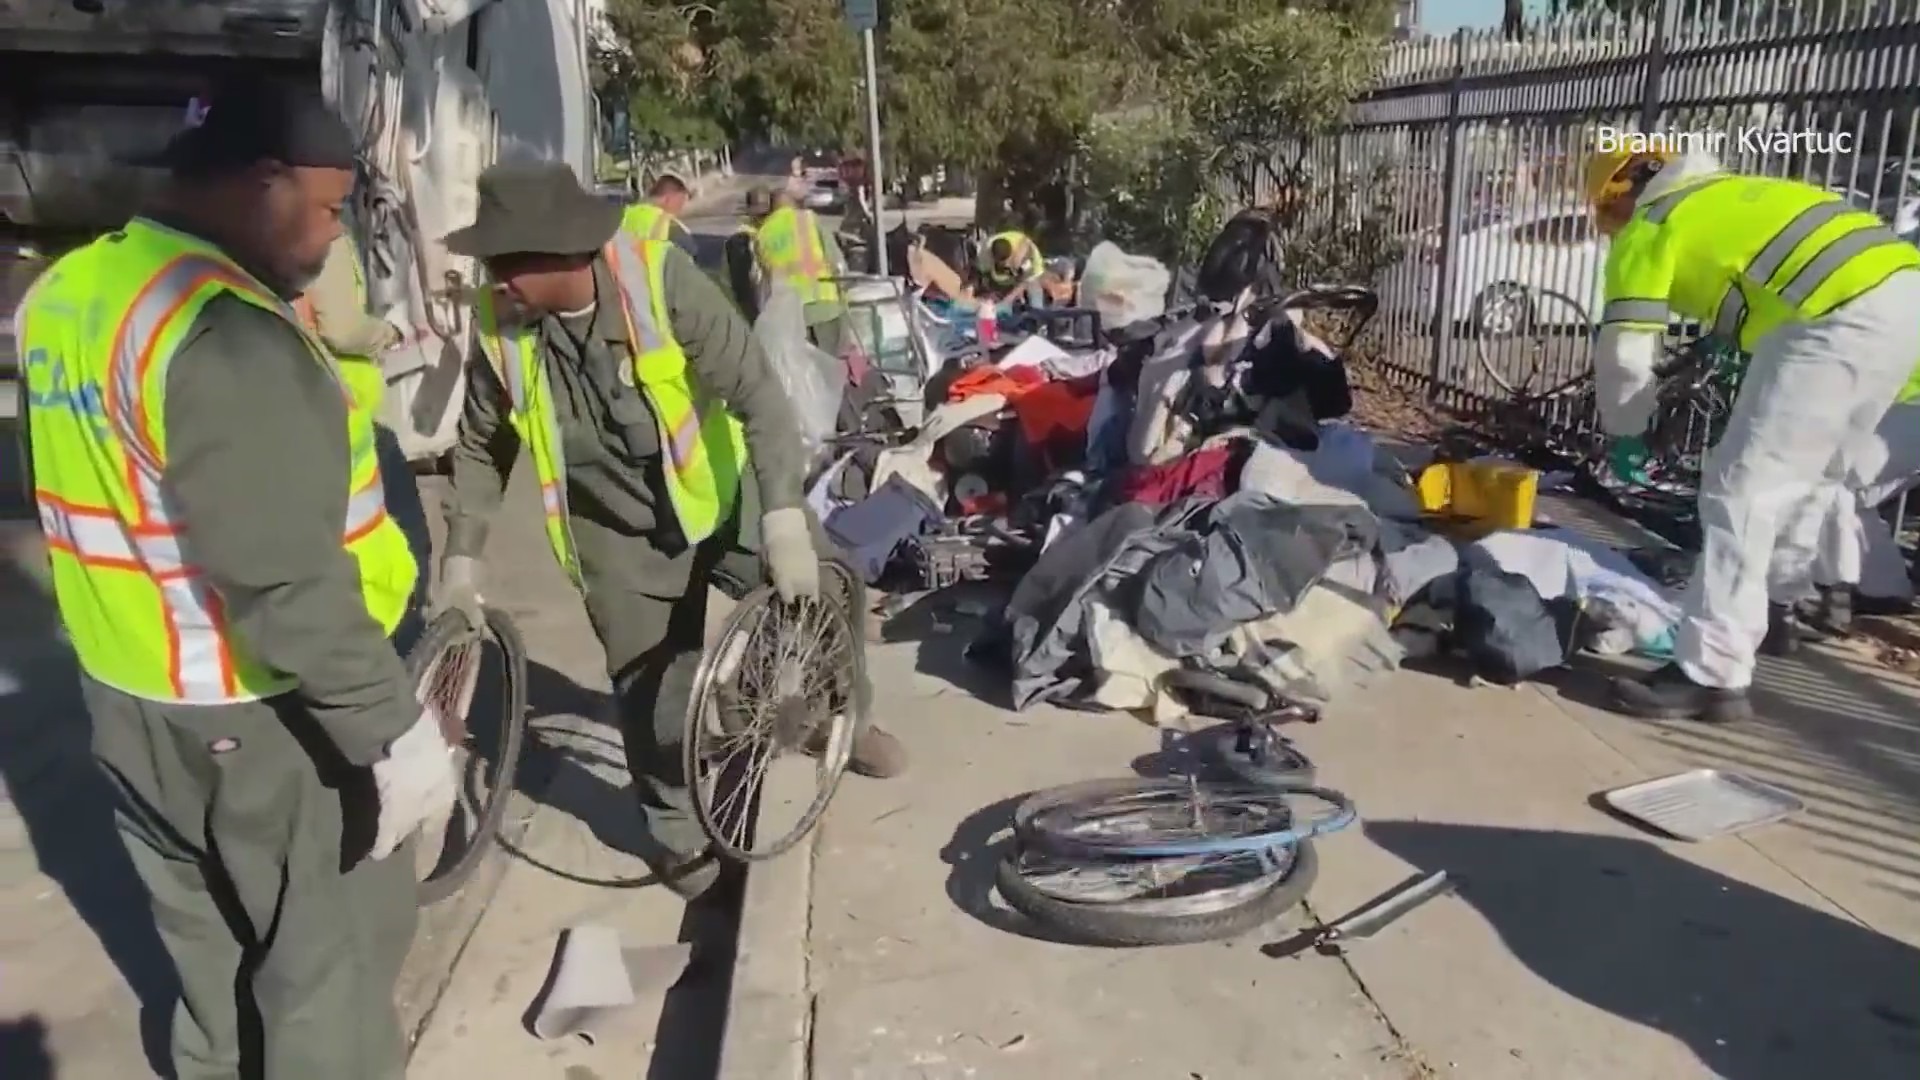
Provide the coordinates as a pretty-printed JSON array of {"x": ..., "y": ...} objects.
[
  {"x": 446, "y": 630},
  {"x": 1532, "y": 295},
  {"x": 1045, "y": 820},
  {"x": 1287, "y": 768},
  {"x": 751, "y": 606},
  {"x": 1131, "y": 925}
]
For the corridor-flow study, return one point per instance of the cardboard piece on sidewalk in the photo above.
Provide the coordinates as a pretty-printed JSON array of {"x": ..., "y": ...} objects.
[{"x": 594, "y": 979}]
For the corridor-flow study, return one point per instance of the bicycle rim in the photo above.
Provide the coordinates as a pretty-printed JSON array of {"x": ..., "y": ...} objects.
[
  {"x": 1188, "y": 817},
  {"x": 1189, "y": 885},
  {"x": 478, "y": 682},
  {"x": 779, "y": 690}
]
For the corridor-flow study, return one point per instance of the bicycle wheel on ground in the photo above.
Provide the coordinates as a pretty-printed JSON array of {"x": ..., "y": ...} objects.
[
  {"x": 1178, "y": 816},
  {"x": 780, "y": 690},
  {"x": 1156, "y": 901},
  {"x": 478, "y": 682}
]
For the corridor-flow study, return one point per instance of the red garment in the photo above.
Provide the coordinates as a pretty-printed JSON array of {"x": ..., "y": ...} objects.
[
  {"x": 1203, "y": 472},
  {"x": 988, "y": 379},
  {"x": 1057, "y": 410}
]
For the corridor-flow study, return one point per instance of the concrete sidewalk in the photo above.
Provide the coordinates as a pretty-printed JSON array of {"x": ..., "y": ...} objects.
[{"x": 1577, "y": 948}]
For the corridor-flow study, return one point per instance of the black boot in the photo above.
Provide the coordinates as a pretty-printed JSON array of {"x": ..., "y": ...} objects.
[
  {"x": 1668, "y": 694},
  {"x": 1783, "y": 633},
  {"x": 687, "y": 874},
  {"x": 1833, "y": 612}
]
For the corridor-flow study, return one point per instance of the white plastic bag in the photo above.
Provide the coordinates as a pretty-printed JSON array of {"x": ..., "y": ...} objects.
[
  {"x": 1124, "y": 289},
  {"x": 814, "y": 381}
]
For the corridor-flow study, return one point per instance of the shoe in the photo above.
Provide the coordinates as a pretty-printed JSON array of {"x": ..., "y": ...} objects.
[
  {"x": 687, "y": 875},
  {"x": 1783, "y": 632},
  {"x": 1668, "y": 694},
  {"x": 878, "y": 754}
]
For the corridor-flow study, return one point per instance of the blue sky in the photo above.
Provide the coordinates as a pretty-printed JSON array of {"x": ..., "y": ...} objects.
[{"x": 1446, "y": 16}]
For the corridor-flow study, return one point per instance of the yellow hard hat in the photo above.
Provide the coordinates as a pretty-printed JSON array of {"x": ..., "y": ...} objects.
[{"x": 1612, "y": 173}]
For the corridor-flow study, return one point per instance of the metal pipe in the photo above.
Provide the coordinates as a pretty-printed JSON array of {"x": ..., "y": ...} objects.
[{"x": 873, "y": 155}]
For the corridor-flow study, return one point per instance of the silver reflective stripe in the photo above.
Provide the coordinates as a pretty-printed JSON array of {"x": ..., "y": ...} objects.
[
  {"x": 1808, "y": 279},
  {"x": 1636, "y": 311},
  {"x": 1732, "y": 313},
  {"x": 1660, "y": 209},
  {"x": 1804, "y": 224},
  {"x": 139, "y": 334},
  {"x": 630, "y": 268},
  {"x": 550, "y": 500},
  {"x": 366, "y": 508}
]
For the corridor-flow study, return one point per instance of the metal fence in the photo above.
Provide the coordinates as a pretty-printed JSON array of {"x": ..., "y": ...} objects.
[{"x": 1474, "y": 145}]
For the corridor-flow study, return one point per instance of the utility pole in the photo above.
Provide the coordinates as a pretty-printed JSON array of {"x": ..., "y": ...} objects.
[{"x": 864, "y": 17}]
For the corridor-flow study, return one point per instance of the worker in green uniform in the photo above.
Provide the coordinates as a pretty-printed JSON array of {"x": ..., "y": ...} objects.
[
  {"x": 1014, "y": 268},
  {"x": 742, "y": 264},
  {"x": 794, "y": 252},
  {"x": 334, "y": 307},
  {"x": 667, "y": 453},
  {"x": 657, "y": 217},
  {"x": 229, "y": 578}
]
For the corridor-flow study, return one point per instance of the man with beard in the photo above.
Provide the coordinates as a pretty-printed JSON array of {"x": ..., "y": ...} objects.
[
  {"x": 667, "y": 453},
  {"x": 229, "y": 579}
]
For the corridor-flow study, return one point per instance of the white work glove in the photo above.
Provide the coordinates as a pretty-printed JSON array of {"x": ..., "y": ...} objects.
[
  {"x": 793, "y": 566},
  {"x": 460, "y": 589},
  {"x": 417, "y": 782},
  {"x": 1625, "y": 386}
]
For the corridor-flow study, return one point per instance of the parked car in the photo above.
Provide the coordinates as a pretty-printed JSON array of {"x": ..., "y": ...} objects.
[
  {"x": 822, "y": 190},
  {"x": 1552, "y": 254}
]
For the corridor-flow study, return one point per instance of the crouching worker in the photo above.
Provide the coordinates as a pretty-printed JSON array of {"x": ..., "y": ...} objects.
[
  {"x": 667, "y": 454},
  {"x": 1014, "y": 269},
  {"x": 1823, "y": 298}
]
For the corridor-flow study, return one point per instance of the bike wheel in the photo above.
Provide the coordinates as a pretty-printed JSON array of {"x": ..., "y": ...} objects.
[
  {"x": 1254, "y": 753},
  {"x": 1206, "y": 915},
  {"x": 1179, "y": 816},
  {"x": 782, "y": 685},
  {"x": 1513, "y": 348},
  {"x": 456, "y": 668}
]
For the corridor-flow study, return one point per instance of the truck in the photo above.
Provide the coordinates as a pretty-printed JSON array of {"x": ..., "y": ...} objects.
[{"x": 435, "y": 90}]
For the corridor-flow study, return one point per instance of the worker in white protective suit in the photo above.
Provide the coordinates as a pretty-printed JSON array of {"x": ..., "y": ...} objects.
[
  {"x": 1839, "y": 551},
  {"x": 1824, "y": 298}
]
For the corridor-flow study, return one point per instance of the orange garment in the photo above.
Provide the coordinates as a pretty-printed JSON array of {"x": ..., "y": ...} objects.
[{"x": 987, "y": 379}]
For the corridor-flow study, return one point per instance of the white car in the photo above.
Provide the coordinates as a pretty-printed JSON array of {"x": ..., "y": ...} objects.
[{"x": 1549, "y": 258}]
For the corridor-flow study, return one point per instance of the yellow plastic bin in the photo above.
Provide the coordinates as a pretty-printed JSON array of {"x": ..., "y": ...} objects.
[{"x": 1480, "y": 497}]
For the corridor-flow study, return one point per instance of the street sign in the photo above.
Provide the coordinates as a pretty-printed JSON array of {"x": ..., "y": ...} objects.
[{"x": 863, "y": 15}]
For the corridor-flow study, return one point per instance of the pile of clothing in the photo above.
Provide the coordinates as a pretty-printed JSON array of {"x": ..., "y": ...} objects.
[{"x": 1191, "y": 497}]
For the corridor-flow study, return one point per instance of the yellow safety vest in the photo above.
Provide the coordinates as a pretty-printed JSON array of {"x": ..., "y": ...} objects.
[
  {"x": 645, "y": 221},
  {"x": 365, "y": 378},
  {"x": 790, "y": 249},
  {"x": 141, "y": 617},
  {"x": 704, "y": 447},
  {"x": 1744, "y": 255},
  {"x": 1036, "y": 264}
]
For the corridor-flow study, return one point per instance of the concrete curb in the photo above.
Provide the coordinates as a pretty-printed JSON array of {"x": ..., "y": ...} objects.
[{"x": 768, "y": 1030}]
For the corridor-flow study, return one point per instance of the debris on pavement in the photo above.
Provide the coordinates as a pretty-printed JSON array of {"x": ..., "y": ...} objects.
[{"x": 595, "y": 978}]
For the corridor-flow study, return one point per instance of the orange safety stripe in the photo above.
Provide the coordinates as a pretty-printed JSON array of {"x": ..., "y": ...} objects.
[
  {"x": 200, "y": 662},
  {"x": 684, "y": 444}
]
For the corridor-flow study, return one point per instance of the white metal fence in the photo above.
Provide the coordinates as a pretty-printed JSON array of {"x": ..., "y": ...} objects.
[{"x": 1480, "y": 141}]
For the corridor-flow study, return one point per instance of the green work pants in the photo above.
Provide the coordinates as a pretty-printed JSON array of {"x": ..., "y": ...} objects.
[
  {"x": 649, "y": 610},
  {"x": 247, "y": 829}
]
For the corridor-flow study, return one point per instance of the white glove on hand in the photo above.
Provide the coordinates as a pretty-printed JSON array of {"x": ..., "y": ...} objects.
[
  {"x": 417, "y": 782},
  {"x": 460, "y": 589},
  {"x": 787, "y": 550}
]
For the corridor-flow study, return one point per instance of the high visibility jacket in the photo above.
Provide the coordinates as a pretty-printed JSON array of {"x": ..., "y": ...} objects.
[
  {"x": 365, "y": 379},
  {"x": 140, "y": 616},
  {"x": 645, "y": 221},
  {"x": 1028, "y": 262},
  {"x": 704, "y": 447},
  {"x": 1744, "y": 255},
  {"x": 790, "y": 250}
]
